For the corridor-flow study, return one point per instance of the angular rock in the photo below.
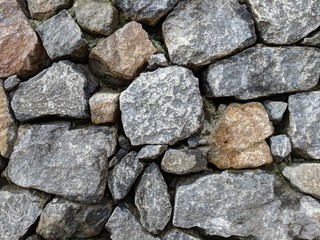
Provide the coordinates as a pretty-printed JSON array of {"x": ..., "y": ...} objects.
[
  {"x": 21, "y": 52},
  {"x": 96, "y": 17},
  {"x": 123, "y": 54},
  {"x": 198, "y": 32},
  {"x": 262, "y": 71},
  {"x": 66, "y": 162},
  {"x": 44, "y": 9},
  {"x": 176, "y": 234},
  {"x": 275, "y": 110},
  {"x": 151, "y": 152},
  {"x": 280, "y": 146},
  {"x": 152, "y": 200},
  {"x": 117, "y": 157},
  {"x": 124, "y": 142},
  {"x": 161, "y": 107},
  {"x": 313, "y": 40},
  {"x": 157, "y": 60},
  {"x": 238, "y": 138},
  {"x": 57, "y": 91},
  {"x": 104, "y": 107},
  {"x": 304, "y": 123},
  {"x": 184, "y": 161},
  {"x": 123, "y": 224},
  {"x": 123, "y": 176},
  {"x": 63, "y": 219},
  {"x": 279, "y": 22},
  {"x": 19, "y": 209},
  {"x": 11, "y": 83},
  {"x": 62, "y": 38}
]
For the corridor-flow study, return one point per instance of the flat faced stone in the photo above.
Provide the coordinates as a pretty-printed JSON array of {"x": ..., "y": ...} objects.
[
  {"x": 44, "y": 9},
  {"x": 280, "y": 146},
  {"x": 11, "y": 83},
  {"x": 312, "y": 40},
  {"x": 151, "y": 152},
  {"x": 275, "y": 110}
]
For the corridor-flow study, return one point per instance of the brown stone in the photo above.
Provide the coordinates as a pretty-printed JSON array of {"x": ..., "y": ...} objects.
[
  {"x": 239, "y": 137},
  {"x": 21, "y": 51},
  {"x": 123, "y": 54},
  {"x": 44, "y": 9}
]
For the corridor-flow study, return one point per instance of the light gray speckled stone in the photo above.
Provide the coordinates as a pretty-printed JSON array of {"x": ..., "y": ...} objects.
[
  {"x": 67, "y": 162},
  {"x": 157, "y": 60},
  {"x": 280, "y": 146},
  {"x": 285, "y": 22},
  {"x": 304, "y": 123},
  {"x": 263, "y": 71},
  {"x": 11, "y": 83},
  {"x": 44, "y": 9},
  {"x": 198, "y": 32},
  {"x": 176, "y": 234},
  {"x": 275, "y": 110},
  {"x": 151, "y": 152},
  {"x": 313, "y": 40},
  {"x": 162, "y": 107}
]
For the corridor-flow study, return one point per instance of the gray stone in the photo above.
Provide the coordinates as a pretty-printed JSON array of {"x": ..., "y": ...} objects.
[
  {"x": 198, "y": 32},
  {"x": 304, "y": 123},
  {"x": 62, "y": 38},
  {"x": 34, "y": 237},
  {"x": 157, "y": 60},
  {"x": 123, "y": 176},
  {"x": 313, "y": 40},
  {"x": 66, "y": 162},
  {"x": 162, "y": 107},
  {"x": 11, "y": 83},
  {"x": 176, "y": 234},
  {"x": 123, "y": 225},
  {"x": 19, "y": 209},
  {"x": 152, "y": 200},
  {"x": 44, "y": 9},
  {"x": 146, "y": 11},
  {"x": 262, "y": 71},
  {"x": 280, "y": 22},
  {"x": 183, "y": 161},
  {"x": 151, "y": 152},
  {"x": 124, "y": 142},
  {"x": 275, "y": 110},
  {"x": 96, "y": 17},
  {"x": 280, "y": 146},
  {"x": 117, "y": 157},
  {"x": 57, "y": 91},
  {"x": 63, "y": 219}
]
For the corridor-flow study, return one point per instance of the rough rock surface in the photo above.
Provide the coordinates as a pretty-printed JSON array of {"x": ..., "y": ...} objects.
[
  {"x": 280, "y": 146},
  {"x": 262, "y": 71},
  {"x": 275, "y": 110},
  {"x": 19, "y": 209},
  {"x": 176, "y": 234},
  {"x": 11, "y": 83},
  {"x": 162, "y": 107},
  {"x": 151, "y": 152},
  {"x": 152, "y": 200},
  {"x": 63, "y": 219},
  {"x": 44, "y": 9},
  {"x": 313, "y": 40},
  {"x": 124, "y": 174},
  {"x": 57, "y": 91},
  {"x": 122, "y": 54},
  {"x": 69, "y": 163},
  {"x": 96, "y": 17},
  {"x": 62, "y": 38},
  {"x": 277, "y": 22},
  {"x": 21, "y": 52},
  {"x": 239, "y": 137},
  {"x": 304, "y": 123},
  {"x": 157, "y": 60},
  {"x": 121, "y": 153},
  {"x": 182, "y": 161},
  {"x": 198, "y": 32}
]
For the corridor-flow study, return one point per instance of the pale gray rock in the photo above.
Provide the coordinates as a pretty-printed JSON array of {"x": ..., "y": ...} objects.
[
  {"x": 151, "y": 152},
  {"x": 198, "y": 32},
  {"x": 280, "y": 146},
  {"x": 157, "y": 60},
  {"x": 44, "y": 9},
  {"x": 183, "y": 161},
  {"x": 275, "y": 110},
  {"x": 19, "y": 209},
  {"x": 63, "y": 219},
  {"x": 124, "y": 174},
  {"x": 57, "y": 91},
  {"x": 152, "y": 200},
  {"x": 62, "y": 38},
  {"x": 66, "y": 162},
  {"x": 285, "y": 22},
  {"x": 304, "y": 123},
  {"x": 162, "y": 107},
  {"x": 313, "y": 40},
  {"x": 262, "y": 71},
  {"x": 11, "y": 83},
  {"x": 176, "y": 234}
]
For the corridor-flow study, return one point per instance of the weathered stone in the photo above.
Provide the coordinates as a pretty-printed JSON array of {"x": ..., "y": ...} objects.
[
  {"x": 123, "y": 224},
  {"x": 277, "y": 22},
  {"x": 162, "y": 107},
  {"x": 21, "y": 52},
  {"x": 261, "y": 71},
  {"x": 182, "y": 161},
  {"x": 117, "y": 157},
  {"x": 122, "y": 54},
  {"x": 151, "y": 152},
  {"x": 152, "y": 200},
  {"x": 275, "y": 110},
  {"x": 304, "y": 123},
  {"x": 11, "y": 83},
  {"x": 104, "y": 107},
  {"x": 19, "y": 209},
  {"x": 66, "y": 162},
  {"x": 239, "y": 137},
  {"x": 280, "y": 146},
  {"x": 157, "y": 60},
  {"x": 198, "y": 32},
  {"x": 313, "y": 40},
  {"x": 96, "y": 17},
  {"x": 8, "y": 126},
  {"x": 176, "y": 234},
  {"x": 57, "y": 91},
  {"x": 123, "y": 176},
  {"x": 62, "y": 38},
  {"x": 63, "y": 219},
  {"x": 44, "y": 9},
  {"x": 93, "y": 81}
]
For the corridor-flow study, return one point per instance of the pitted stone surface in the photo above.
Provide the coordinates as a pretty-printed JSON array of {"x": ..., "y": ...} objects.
[{"x": 44, "y": 9}]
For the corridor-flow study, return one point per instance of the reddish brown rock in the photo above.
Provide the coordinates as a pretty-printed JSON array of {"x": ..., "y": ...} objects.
[
  {"x": 123, "y": 53},
  {"x": 44, "y": 9}
]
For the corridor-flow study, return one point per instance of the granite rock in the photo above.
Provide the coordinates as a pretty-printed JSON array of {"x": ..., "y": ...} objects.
[
  {"x": 162, "y": 107},
  {"x": 198, "y": 32},
  {"x": 151, "y": 152},
  {"x": 280, "y": 146},
  {"x": 124, "y": 142},
  {"x": 312, "y": 40},
  {"x": 11, "y": 83},
  {"x": 44, "y": 9},
  {"x": 34, "y": 237},
  {"x": 121, "y": 153},
  {"x": 176, "y": 234},
  {"x": 157, "y": 60},
  {"x": 262, "y": 71},
  {"x": 275, "y": 110}
]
